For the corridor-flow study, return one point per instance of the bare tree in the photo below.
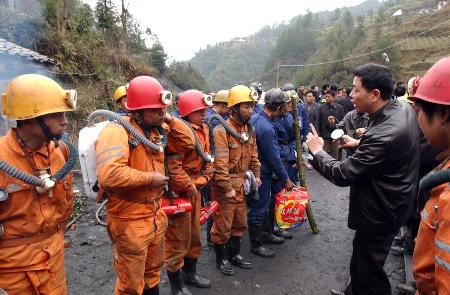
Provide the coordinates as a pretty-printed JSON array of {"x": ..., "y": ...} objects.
[
  {"x": 62, "y": 16},
  {"x": 124, "y": 18}
]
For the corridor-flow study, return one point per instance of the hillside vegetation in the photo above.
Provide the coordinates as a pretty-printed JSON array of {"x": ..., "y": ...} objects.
[
  {"x": 98, "y": 48},
  {"x": 327, "y": 46}
]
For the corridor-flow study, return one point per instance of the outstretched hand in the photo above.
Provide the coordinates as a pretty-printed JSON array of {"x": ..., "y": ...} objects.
[
  {"x": 314, "y": 141},
  {"x": 348, "y": 142}
]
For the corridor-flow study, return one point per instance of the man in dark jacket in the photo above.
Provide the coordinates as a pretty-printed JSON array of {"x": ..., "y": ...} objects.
[
  {"x": 354, "y": 125},
  {"x": 271, "y": 164},
  {"x": 328, "y": 116},
  {"x": 382, "y": 175},
  {"x": 312, "y": 107}
]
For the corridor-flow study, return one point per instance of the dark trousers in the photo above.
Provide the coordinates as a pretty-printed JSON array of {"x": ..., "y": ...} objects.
[
  {"x": 258, "y": 209},
  {"x": 366, "y": 265}
]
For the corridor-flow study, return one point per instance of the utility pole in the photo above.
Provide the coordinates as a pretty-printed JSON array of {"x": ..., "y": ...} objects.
[
  {"x": 278, "y": 71},
  {"x": 223, "y": 78}
]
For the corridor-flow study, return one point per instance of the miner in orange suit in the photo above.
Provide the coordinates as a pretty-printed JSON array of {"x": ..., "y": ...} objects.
[
  {"x": 432, "y": 250},
  {"x": 133, "y": 177},
  {"x": 33, "y": 217},
  {"x": 190, "y": 172},
  {"x": 235, "y": 147}
]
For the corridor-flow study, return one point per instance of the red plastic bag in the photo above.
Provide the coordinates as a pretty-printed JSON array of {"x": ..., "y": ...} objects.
[{"x": 290, "y": 208}]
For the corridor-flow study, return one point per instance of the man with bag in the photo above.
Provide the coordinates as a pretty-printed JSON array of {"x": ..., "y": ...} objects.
[{"x": 260, "y": 221}]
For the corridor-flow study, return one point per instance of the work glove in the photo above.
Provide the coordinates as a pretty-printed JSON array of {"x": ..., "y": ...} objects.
[
  {"x": 201, "y": 181},
  {"x": 230, "y": 194}
]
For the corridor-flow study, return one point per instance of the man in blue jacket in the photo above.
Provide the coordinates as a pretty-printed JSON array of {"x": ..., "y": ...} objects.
[
  {"x": 284, "y": 127},
  {"x": 271, "y": 164}
]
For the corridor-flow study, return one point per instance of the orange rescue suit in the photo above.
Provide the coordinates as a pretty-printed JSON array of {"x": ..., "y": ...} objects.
[
  {"x": 32, "y": 246},
  {"x": 136, "y": 222},
  {"x": 232, "y": 160},
  {"x": 188, "y": 175},
  {"x": 432, "y": 250}
]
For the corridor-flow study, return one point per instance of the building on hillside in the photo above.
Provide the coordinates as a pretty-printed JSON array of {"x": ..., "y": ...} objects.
[
  {"x": 16, "y": 60},
  {"x": 441, "y": 4},
  {"x": 398, "y": 12}
]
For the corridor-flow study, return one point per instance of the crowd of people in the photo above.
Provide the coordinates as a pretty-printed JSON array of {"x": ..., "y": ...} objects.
[{"x": 236, "y": 147}]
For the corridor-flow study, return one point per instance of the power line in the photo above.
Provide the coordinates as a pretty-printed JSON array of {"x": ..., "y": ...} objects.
[
  {"x": 368, "y": 53},
  {"x": 256, "y": 78}
]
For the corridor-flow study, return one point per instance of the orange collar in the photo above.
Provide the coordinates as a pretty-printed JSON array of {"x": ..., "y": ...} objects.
[{"x": 21, "y": 150}]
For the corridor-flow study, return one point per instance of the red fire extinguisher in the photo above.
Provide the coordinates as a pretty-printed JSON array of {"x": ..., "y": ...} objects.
[
  {"x": 208, "y": 210},
  {"x": 176, "y": 205}
]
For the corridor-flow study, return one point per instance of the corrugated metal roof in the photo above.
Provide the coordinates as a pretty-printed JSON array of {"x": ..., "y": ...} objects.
[{"x": 14, "y": 49}]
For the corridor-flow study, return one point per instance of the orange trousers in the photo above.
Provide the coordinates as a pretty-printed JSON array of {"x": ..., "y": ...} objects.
[
  {"x": 49, "y": 281},
  {"x": 183, "y": 236},
  {"x": 230, "y": 219},
  {"x": 138, "y": 248}
]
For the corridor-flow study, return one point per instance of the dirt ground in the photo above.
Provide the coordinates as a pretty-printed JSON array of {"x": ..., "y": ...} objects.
[{"x": 308, "y": 264}]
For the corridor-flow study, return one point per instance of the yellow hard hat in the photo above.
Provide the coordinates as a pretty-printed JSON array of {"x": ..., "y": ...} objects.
[
  {"x": 120, "y": 92},
  {"x": 221, "y": 96},
  {"x": 240, "y": 93},
  {"x": 30, "y": 96}
]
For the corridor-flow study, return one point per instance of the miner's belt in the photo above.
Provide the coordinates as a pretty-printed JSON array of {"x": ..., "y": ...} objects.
[
  {"x": 237, "y": 175},
  {"x": 140, "y": 200},
  {"x": 27, "y": 240}
]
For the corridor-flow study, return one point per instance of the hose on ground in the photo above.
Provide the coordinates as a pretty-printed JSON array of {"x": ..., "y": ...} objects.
[
  {"x": 97, "y": 213},
  {"x": 139, "y": 137}
]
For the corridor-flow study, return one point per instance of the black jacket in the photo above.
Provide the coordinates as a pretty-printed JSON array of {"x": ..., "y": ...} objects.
[
  {"x": 346, "y": 103},
  {"x": 323, "y": 113},
  {"x": 383, "y": 172},
  {"x": 312, "y": 112}
]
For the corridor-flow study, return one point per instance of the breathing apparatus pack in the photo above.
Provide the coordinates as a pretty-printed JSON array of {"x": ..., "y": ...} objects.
[
  {"x": 178, "y": 205},
  {"x": 211, "y": 207},
  {"x": 243, "y": 137},
  {"x": 44, "y": 182},
  {"x": 86, "y": 146}
]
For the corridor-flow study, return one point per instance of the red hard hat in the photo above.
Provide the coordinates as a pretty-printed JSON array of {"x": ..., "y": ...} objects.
[
  {"x": 145, "y": 92},
  {"x": 193, "y": 100},
  {"x": 434, "y": 86}
]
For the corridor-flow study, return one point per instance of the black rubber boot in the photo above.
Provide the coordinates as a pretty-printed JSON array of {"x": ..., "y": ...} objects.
[
  {"x": 190, "y": 275},
  {"x": 176, "y": 283},
  {"x": 151, "y": 291},
  {"x": 278, "y": 233},
  {"x": 222, "y": 263},
  {"x": 255, "y": 233},
  {"x": 235, "y": 256},
  {"x": 268, "y": 236},
  {"x": 283, "y": 234}
]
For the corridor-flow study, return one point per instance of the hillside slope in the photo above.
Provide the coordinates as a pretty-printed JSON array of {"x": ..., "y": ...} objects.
[{"x": 327, "y": 46}]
